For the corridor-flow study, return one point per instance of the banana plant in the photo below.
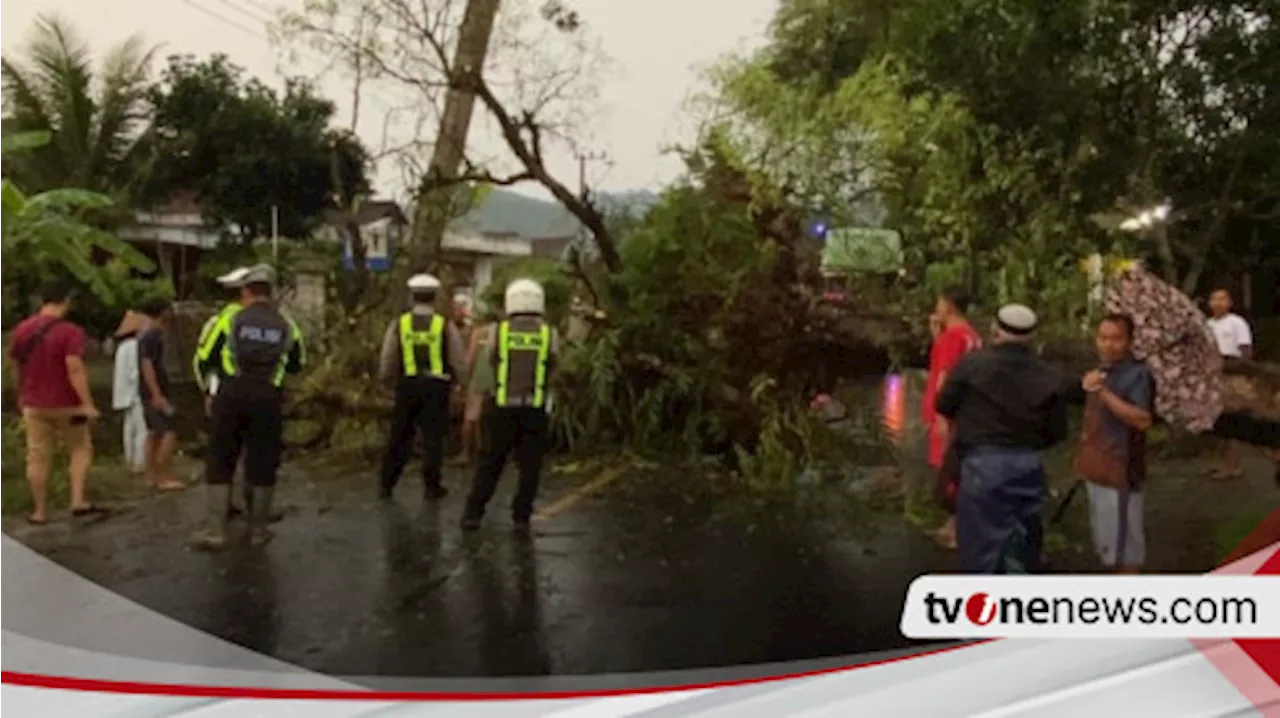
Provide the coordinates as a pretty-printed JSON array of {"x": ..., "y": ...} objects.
[{"x": 45, "y": 228}]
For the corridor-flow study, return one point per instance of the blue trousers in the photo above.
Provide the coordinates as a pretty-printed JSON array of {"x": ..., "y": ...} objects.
[{"x": 1002, "y": 492}]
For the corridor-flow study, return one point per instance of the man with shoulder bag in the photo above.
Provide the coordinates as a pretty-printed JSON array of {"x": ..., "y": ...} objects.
[
  {"x": 53, "y": 394},
  {"x": 1111, "y": 459}
]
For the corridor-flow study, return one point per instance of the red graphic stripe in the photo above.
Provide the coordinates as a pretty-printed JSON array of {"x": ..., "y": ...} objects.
[
  {"x": 1266, "y": 652},
  {"x": 35, "y": 680},
  {"x": 1252, "y": 665}
]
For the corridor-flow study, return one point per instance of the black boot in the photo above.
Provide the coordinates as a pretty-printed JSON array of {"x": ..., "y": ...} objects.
[
  {"x": 260, "y": 515},
  {"x": 214, "y": 536}
]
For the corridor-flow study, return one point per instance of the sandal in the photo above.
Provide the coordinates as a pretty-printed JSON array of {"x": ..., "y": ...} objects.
[
  {"x": 35, "y": 521},
  {"x": 90, "y": 510},
  {"x": 945, "y": 538},
  {"x": 169, "y": 486}
]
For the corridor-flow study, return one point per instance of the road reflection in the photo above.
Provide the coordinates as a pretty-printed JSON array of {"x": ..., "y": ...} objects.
[{"x": 893, "y": 406}]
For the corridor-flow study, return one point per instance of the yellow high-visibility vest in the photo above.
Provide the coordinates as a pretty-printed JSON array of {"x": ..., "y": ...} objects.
[
  {"x": 432, "y": 339},
  {"x": 537, "y": 341}
]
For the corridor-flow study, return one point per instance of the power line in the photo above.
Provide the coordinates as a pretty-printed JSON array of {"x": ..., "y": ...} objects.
[
  {"x": 324, "y": 63},
  {"x": 224, "y": 19}
]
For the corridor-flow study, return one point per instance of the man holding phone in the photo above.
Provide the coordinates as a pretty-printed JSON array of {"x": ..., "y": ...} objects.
[
  {"x": 53, "y": 394},
  {"x": 158, "y": 411}
]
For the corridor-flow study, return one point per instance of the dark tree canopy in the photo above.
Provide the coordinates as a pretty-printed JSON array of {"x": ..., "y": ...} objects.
[
  {"x": 1096, "y": 106},
  {"x": 243, "y": 148}
]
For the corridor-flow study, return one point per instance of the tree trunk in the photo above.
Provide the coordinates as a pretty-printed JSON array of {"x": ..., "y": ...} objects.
[
  {"x": 1200, "y": 252},
  {"x": 432, "y": 214}
]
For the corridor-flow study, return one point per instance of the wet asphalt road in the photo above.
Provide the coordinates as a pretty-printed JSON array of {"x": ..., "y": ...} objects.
[
  {"x": 651, "y": 571},
  {"x": 636, "y": 576}
]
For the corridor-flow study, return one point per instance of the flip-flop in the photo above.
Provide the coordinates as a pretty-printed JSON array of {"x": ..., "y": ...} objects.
[
  {"x": 36, "y": 522},
  {"x": 90, "y": 510},
  {"x": 1226, "y": 475},
  {"x": 168, "y": 487}
]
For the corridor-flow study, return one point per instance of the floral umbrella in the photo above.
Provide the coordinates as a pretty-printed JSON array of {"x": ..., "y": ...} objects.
[{"x": 1172, "y": 335}]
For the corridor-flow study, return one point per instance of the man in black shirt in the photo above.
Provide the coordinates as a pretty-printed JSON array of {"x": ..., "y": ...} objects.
[
  {"x": 1005, "y": 406},
  {"x": 261, "y": 346},
  {"x": 157, "y": 409}
]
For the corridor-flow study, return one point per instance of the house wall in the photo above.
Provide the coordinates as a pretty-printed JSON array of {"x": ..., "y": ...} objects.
[
  {"x": 305, "y": 302},
  {"x": 483, "y": 274}
]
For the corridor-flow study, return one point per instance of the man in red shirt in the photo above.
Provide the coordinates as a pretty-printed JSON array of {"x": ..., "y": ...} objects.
[
  {"x": 954, "y": 339},
  {"x": 53, "y": 393}
]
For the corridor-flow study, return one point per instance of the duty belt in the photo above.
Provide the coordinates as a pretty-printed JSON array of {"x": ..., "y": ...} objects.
[{"x": 519, "y": 402}]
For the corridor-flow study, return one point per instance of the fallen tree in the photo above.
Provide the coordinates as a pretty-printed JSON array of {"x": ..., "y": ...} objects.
[{"x": 715, "y": 334}]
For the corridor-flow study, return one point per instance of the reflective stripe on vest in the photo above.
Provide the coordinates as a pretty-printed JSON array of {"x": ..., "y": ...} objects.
[
  {"x": 218, "y": 325},
  {"x": 509, "y": 341},
  {"x": 432, "y": 339},
  {"x": 295, "y": 339}
]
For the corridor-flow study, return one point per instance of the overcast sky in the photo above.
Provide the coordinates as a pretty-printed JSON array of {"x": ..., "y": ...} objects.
[{"x": 656, "y": 47}]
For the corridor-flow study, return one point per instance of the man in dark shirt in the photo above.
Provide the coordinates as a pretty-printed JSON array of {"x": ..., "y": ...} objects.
[
  {"x": 1005, "y": 406},
  {"x": 1119, "y": 409},
  {"x": 157, "y": 409}
]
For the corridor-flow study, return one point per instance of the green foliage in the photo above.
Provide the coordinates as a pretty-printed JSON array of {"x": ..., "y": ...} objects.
[
  {"x": 95, "y": 118},
  {"x": 128, "y": 290},
  {"x": 43, "y": 235},
  {"x": 18, "y": 141},
  {"x": 915, "y": 150},
  {"x": 244, "y": 148},
  {"x": 17, "y": 493},
  {"x": 794, "y": 442},
  {"x": 1074, "y": 107},
  {"x": 713, "y": 342}
]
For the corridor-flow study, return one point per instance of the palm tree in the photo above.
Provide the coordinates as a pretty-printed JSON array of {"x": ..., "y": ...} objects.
[
  {"x": 97, "y": 120},
  {"x": 44, "y": 231}
]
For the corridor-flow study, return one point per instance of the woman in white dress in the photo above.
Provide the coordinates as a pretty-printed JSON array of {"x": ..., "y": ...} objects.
[{"x": 125, "y": 397}]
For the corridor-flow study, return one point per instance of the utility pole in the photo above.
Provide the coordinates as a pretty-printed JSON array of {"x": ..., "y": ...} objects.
[
  {"x": 583, "y": 159},
  {"x": 432, "y": 213}
]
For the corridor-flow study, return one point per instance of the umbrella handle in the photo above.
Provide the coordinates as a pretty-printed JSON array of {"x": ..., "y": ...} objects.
[{"x": 1061, "y": 511}]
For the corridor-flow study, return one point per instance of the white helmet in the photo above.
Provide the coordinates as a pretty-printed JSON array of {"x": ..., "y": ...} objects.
[
  {"x": 423, "y": 283},
  {"x": 525, "y": 296}
]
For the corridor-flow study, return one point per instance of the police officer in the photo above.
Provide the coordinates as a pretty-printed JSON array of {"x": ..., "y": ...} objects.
[
  {"x": 422, "y": 356},
  {"x": 524, "y": 350},
  {"x": 259, "y": 348},
  {"x": 217, "y": 325}
]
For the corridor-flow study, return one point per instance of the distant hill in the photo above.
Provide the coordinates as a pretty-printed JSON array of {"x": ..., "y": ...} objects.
[{"x": 506, "y": 212}]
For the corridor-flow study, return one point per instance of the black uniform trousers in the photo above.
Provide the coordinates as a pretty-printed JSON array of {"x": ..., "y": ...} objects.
[
  {"x": 521, "y": 431},
  {"x": 248, "y": 417},
  {"x": 422, "y": 404}
]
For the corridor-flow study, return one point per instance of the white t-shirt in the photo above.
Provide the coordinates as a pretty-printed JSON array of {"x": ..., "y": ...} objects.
[{"x": 1232, "y": 332}]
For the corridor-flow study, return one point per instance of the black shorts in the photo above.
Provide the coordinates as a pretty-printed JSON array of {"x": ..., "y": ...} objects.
[{"x": 157, "y": 422}]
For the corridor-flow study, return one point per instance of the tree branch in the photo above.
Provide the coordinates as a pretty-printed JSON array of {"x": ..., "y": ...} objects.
[{"x": 529, "y": 156}]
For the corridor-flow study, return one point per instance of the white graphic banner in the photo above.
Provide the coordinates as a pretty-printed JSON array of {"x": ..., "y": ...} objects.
[{"x": 1093, "y": 607}]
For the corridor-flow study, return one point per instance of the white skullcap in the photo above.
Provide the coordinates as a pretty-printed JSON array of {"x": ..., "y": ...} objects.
[
  {"x": 423, "y": 282},
  {"x": 259, "y": 274},
  {"x": 1016, "y": 319},
  {"x": 235, "y": 278}
]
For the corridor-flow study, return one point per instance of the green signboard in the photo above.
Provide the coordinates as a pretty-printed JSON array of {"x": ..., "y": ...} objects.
[{"x": 862, "y": 249}]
